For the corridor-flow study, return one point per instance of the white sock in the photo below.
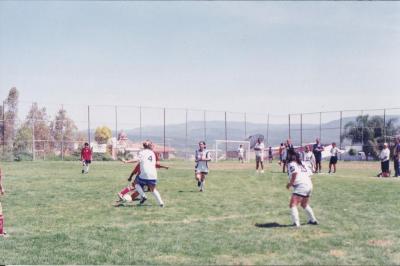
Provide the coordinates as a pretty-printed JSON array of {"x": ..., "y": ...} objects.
[
  {"x": 295, "y": 215},
  {"x": 158, "y": 197},
  {"x": 310, "y": 214},
  {"x": 140, "y": 190},
  {"x": 202, "y": 184}
]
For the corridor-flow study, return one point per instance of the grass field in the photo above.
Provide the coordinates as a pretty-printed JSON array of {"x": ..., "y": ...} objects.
[{"x": 55, "y": 215}]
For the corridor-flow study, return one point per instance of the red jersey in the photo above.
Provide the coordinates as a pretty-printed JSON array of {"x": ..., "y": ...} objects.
[{"x": 86, "y": 154}]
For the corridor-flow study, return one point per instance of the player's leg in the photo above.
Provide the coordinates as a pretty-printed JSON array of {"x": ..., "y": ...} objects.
[
  {"x": 257, "y": 163},
  {"x": 156, "y": 194},
  {"x": 197, "y": 176},
  {"x": 203, "y": 181},
  {"x": 262, "y": 166},
  {"x": 294, "y": 212},
  {"x": 139, "y": 189},
  {"x": 310, "y": 213},
  {"x": 334, "y": 167},
  {"x": 330, "y": 166}
]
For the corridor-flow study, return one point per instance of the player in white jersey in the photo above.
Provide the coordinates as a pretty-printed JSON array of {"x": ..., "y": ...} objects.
[
  {"x": 300, "y": 182},
  {"x": 259, "y": 150},
  {"x": 202, "y": 157},
  {"x": 241, "y": 153},
  {"x": 334, "y": 157},
  {"x": 309, "y": 158},
  {"x": 148, "y": 173}
]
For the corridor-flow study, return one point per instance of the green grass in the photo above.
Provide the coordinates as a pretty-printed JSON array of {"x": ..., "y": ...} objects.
[{"x": 55, "y": 215}]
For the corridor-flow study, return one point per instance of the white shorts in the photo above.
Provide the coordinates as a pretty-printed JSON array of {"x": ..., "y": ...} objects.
[
  {"x": 302, "y": 190},
  {"x": 201, "y": 168}
]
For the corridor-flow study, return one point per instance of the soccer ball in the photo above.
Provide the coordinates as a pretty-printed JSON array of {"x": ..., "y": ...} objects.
[{"x": 127, "y": 198}]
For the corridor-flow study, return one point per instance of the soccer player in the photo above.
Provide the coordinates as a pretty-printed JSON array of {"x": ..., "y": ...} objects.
[
  {"x": 284, "y": 157},
  {"x": 317, "y": 150},
  {"x": 130, "y": 193},
  {"x": 385, "y": 159},
  {"x": 148, "y": 173},
  {"x": 241, "y": 153},
  {"x": 334, "y": 158},
  {"x": 300, "y": 182},
  {"x": 202, "y": 157},
  {"x": 86, "y": 158},
  {"x": 309, "y": 158},
  {"x": 2, "y": 191},
  {"x": 259, "y": 150},
  {"x": 281, "y": 148},
  {"x": 270, "y": 157},
  {"x": 396, "y": 158}
]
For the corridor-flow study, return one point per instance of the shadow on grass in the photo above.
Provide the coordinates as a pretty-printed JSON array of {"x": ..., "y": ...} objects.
[
  {"x": 272, "y": 225},
  {"x": 187, "y": 191}
]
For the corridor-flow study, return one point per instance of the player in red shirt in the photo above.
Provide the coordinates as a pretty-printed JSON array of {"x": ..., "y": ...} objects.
[
  {"x": 86, "y": 158},
  {"x": 129, "y": 193}
]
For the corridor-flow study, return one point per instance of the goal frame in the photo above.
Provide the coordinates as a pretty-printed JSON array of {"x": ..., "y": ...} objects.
[{"x": 220, "y": 141}]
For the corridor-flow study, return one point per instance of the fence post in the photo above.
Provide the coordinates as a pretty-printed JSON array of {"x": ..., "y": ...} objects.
[
  {"x": 4, "y": 127},
  {"x": 140, "y": 123},
  {"x": 289, "y": 127},
  {"x": 88, "y": 116},
  {"x": 33, "y": 139},
  {"x": 245, "y": 126},
  {"x": 62, "y": 135},
  {"x": 205, "y": 125},
  {"x": 320, "y": 126},
  {"x": 164, "y": 134},
  {"x": 116, "y": 122},
  {"x": 186, "y": 134},
  {"x": 301, "y": 129},
  {"x": 384, "y": 125},
  {"x": 268, "y": 129},
  {"x": 226, "y": 138}
]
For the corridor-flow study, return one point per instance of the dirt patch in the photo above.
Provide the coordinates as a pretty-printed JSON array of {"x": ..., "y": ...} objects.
[
  {"x": 337, "y": 253},
  {"x": 172, "y": 259},
  {"x": 380, "y": 243}
]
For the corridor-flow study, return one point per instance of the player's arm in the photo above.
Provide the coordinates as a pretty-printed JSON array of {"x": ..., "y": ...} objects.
[
  {"x": 292, "y": 179},
  {"x": 129, "y": 161}
]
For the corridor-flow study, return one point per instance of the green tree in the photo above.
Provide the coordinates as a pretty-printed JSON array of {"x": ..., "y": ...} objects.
[
  {"x": 10, "y": 120},
  {"x": 370, "y": 132},
  {"x": 102, "y": 134},
  {"x": 63, "y": 131}
]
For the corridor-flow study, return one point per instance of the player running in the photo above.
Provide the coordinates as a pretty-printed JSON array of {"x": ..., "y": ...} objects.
[
  {"x": 259, "y": 150},
  {"x": 300, "y": 181},
  {"x": 86, "y": 158},
  {"x": 202, "y": 157},
  {"x": 2, "y": 191}
]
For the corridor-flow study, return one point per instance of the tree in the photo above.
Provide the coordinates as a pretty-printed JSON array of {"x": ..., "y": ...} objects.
[
  {"x": 370, "y": 132},
  {"x": 36, "y": 121},
  {"x": 63, "y": 131},
  {"x": 10, "y": 117},
  {"x": 102, "y": 134}
]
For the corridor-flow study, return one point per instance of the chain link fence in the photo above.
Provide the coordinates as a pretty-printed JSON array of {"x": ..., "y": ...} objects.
[{"x": 43, "y": 131}]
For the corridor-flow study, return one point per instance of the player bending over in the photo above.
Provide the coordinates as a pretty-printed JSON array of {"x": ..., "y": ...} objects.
[
  {"x": 202, "y": 157},
  {"x": 300, "y": 181},
  {"x": 86, "y": 158},
  {"x": 130, "y": 193}
]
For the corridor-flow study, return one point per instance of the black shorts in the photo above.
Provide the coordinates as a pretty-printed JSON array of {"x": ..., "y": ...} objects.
[
  {"x": 385, "y": 166},
  {"x": 318, "y": 159},
  {"x": 333, "y": 160},
  {"x": 88, "y": 162}
]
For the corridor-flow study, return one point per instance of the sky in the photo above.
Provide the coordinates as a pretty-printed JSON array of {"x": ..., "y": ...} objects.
[{"x": 276, "y": 57}]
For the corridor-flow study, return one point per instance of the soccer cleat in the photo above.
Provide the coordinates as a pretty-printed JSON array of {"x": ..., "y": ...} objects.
[
  {"x": 296, "y": 225},
  {"x": 83, "y": 171},
  {"x": 198, "y": 183},
  {"x": 313, "y": 222},
  {"x": 162, "y": 205},
  {"x": 142, "y": 200},
  {"x": 262, "y": 171}
]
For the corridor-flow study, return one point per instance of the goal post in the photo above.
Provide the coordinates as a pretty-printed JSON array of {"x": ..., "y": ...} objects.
[{"x": 228, "y": 150}]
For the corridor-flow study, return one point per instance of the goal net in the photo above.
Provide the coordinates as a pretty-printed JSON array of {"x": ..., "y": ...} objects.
[{"x": 229, "y": 150}]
